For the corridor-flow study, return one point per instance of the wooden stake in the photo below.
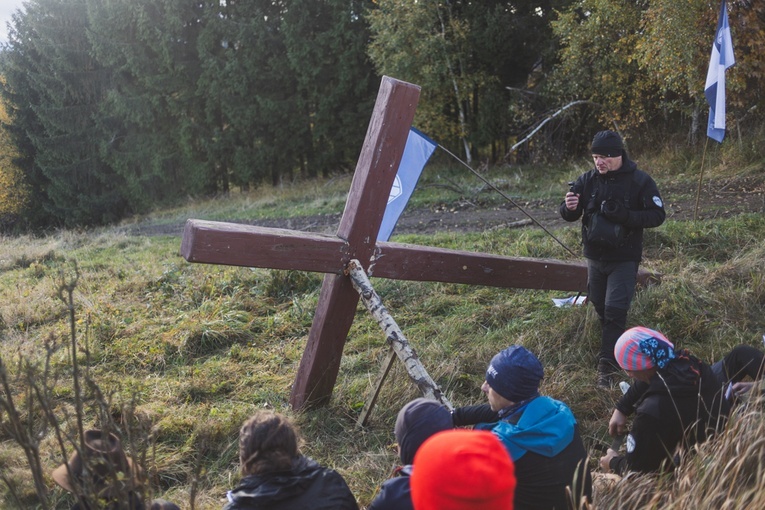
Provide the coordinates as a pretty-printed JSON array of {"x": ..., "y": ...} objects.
[
  {"x": 370, "y": 403},
  {"x": 701, "y": 176}
]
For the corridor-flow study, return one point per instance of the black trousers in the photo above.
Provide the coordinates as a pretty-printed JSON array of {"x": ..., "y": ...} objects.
[
  {"x": 740, "y": 362},
  {"x": 610, "y": 289}
]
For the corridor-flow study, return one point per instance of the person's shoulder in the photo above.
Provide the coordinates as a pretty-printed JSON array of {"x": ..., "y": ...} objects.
[
  {"x": 641, "y": 177},
  {"x": 394, "y": 493},
  {"x": 589, "y": 174},
  {"x": 396, "y": 485},
  {"x": 548, "y": 401}
]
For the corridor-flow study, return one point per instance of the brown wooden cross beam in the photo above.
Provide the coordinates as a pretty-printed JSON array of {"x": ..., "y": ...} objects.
[{"x": 252, "y": 246}]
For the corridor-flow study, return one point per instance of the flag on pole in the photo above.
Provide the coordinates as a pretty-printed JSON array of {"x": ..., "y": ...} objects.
[
  {"x": 416, "y": 153},
  {"x": 714, "y": 89}
]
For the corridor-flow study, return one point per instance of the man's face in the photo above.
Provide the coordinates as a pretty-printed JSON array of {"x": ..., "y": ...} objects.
[
  {"x": 606, "y": 164},
  {"x": 496, "y": 401}
]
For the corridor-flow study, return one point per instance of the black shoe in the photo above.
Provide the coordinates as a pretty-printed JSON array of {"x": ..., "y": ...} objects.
[{"x": 608, "y": 373}]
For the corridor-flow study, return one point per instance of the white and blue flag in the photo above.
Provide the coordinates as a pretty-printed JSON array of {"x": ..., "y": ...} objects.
[
  {"x": 714, "y": 89},
  {"x": 416, "y": 153}
]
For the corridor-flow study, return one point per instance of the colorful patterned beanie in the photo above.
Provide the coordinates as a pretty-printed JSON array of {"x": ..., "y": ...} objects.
[{"x": 642, "y": 348}]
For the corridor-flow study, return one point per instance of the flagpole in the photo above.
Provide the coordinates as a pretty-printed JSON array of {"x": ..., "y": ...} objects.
[{"x": 701, "y": 174}]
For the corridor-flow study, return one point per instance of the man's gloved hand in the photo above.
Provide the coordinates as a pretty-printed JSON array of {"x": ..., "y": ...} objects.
[{"x": 615, "y": 211}]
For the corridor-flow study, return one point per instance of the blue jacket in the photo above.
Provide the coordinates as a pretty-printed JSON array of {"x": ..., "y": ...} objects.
[
  {"x": 544, "y": 426},
  {"x": 547, "y": 450}
]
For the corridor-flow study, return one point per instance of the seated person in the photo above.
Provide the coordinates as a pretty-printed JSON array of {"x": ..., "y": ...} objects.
[
  {"x": 277, "y": 476},
  {"x": 677, "y": 399},
  {"x": 416, "y": 422},
  {"x": 540, "y": 433},
  {"x": 462, "y": 470}
]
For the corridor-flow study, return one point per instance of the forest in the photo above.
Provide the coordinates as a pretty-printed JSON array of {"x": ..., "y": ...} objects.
[{"x": 112, "y": 108}]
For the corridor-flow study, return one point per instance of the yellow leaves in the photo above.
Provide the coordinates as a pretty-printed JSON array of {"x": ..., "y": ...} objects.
[{"x": 13, "y": 192}]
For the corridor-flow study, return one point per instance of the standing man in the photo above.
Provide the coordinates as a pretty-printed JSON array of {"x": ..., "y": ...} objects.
[{"x": 616, "y": 201}]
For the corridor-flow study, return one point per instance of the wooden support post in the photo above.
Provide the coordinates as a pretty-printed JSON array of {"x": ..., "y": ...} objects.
[
  {"x": 372, "y": 400},
  {"x": 395, "y": 337}
]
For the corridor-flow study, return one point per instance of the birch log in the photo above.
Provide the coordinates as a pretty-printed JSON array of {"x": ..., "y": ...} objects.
[{"x": 394, "y": 336}]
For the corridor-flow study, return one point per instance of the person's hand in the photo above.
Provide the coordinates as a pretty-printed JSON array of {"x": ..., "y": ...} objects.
[
  {"x": 741, "y": 388},
  {"x": 616, "y": 212},
  {"x": 605, "y": 461},
  {"x": 572, "y": 201},
  {"x": 617, "y": 425}
]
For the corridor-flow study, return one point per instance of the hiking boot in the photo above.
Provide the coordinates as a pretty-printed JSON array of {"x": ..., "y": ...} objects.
[{"x": 608, "y": 373}]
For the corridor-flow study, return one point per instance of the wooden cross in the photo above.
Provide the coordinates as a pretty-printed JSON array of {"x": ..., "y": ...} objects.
[{"x": 251, "y": 246}]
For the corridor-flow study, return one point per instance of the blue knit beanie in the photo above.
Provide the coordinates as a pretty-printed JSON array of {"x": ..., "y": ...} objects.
[{"x": 515, "y": 374}]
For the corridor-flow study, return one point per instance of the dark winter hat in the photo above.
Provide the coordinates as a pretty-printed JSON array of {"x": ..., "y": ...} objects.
[
  {"x": 515, "y": 374},
  {"x": 416, "y": 422},
  {"x": 607, "y": 143}
]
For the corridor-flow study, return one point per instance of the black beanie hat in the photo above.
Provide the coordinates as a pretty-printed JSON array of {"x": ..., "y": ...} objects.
[
  {"x": 416, "y": 422},
  {"x": 607, "y": 143}
]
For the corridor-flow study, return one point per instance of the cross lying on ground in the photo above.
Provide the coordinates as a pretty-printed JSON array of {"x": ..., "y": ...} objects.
[{"x": 251, "y": 246}]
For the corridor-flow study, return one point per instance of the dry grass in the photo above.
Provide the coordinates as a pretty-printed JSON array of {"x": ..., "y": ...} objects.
[{"x": 725, "y": 472}]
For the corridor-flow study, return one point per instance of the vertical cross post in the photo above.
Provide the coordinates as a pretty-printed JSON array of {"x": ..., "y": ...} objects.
[{"x": 375, "y": 171}]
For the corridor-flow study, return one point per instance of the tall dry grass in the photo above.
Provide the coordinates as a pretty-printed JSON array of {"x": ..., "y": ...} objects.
[{"x": 725, "y": 472}]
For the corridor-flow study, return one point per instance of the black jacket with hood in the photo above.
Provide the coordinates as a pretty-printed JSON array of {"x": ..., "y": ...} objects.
[
  {"x": 628, "y": 185},
  {"x": 681, "y": 405},
  {"x": 306, "y": 485},
  {"x": 416, "y": 422}
]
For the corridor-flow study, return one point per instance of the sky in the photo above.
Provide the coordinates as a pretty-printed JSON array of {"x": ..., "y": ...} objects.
[{"x": 7, "y": 7}]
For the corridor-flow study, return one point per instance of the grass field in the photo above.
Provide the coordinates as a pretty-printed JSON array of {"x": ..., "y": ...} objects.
[{"x": 183, "y": 353}]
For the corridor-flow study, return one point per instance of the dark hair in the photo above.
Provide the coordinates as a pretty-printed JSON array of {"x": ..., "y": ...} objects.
[{"x": 268, "y": 442}]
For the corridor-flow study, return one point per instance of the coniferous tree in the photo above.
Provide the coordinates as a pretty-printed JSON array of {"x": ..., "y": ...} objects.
[
  {"x": 14, "y": 192},
  {"x": 249, "y": 95},
  {"x": 50, "y": 64},
  {"x": 326, "y": 49},
  {"x": 147, "y": 114}
]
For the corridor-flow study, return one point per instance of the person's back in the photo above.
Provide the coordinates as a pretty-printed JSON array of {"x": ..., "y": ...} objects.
[
  {"x": 276, "y": 476},
  {"x": 542, "y": 481},
  {"x": 416, "y": 421},
  {"x": 306, "y": 485}
]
